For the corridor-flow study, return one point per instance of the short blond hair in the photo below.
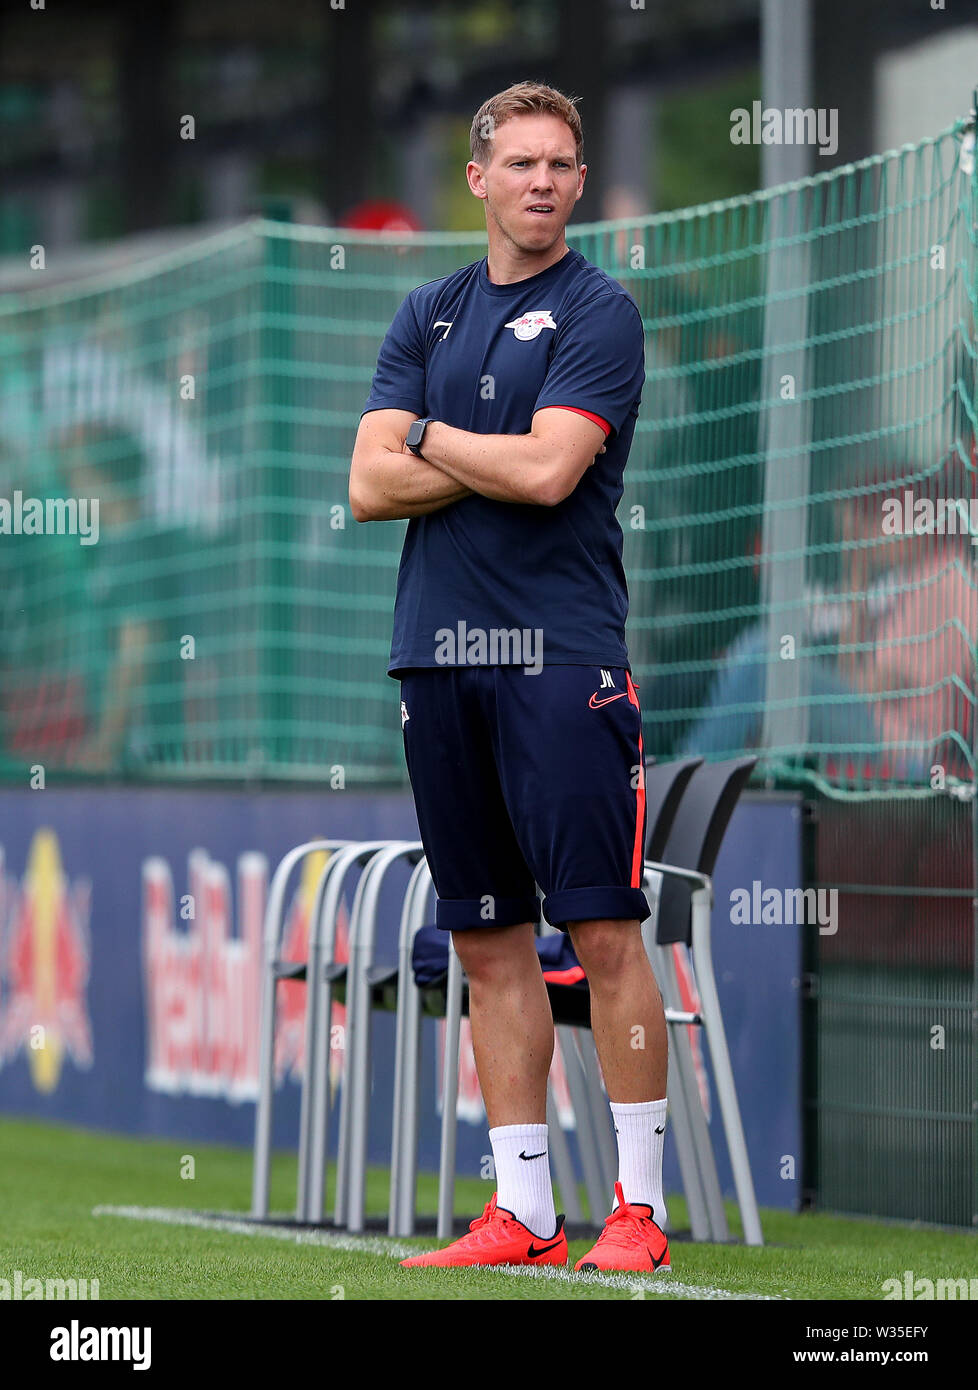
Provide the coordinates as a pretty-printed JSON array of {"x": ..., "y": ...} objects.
[{"x": 522, "y": 99}]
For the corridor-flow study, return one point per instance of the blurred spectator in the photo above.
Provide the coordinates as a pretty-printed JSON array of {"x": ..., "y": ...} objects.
[
  {"x": 112, "y": 612},
  {"x": 886, "y": 663},
  {"x": 915, "y": 652}
]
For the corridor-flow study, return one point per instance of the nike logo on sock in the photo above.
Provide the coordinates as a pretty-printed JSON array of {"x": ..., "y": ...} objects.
[
  {"x": 527, "y": 1157},
  {"x": 660, "y": 1129},
  {"x": 533, "y": 1252}
]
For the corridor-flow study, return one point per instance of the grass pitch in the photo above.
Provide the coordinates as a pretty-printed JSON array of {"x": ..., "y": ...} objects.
[{"x": 69, "y": 1195}]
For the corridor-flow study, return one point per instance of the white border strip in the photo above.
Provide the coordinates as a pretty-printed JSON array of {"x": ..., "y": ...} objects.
[{"x": 383, "y": 1245}]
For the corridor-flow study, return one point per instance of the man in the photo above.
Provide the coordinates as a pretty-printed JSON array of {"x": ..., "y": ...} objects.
[{"x": 499, "y": 421}]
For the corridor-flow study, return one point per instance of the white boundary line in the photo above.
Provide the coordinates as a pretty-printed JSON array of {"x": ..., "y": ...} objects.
[{"x": 384, "y": 1245}]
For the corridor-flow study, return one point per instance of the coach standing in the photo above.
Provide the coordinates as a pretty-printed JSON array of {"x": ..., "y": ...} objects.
[{"x": 499, "y": 421}]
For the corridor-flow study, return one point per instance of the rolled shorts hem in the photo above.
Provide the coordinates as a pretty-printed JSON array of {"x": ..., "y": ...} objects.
[
  {"x": 595, "y": 904},
  {"x": 468, "y": 914}
]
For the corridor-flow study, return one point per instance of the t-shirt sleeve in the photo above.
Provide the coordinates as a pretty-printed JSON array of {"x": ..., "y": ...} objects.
[
  {"x": 598, "y": 361},
  {"x": 399, "y": 379}
]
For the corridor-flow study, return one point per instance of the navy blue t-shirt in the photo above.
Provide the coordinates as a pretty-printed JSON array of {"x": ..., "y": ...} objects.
[{"x": 484, "y": 358}]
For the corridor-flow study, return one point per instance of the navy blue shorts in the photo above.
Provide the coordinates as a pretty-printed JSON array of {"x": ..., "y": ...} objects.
[{"x": 523, "y": 779}]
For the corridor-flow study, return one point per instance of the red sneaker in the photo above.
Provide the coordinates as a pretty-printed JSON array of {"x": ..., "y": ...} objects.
[
  {"x": 497, "y": 1238},
  {"x": 630, "y": 1240}
]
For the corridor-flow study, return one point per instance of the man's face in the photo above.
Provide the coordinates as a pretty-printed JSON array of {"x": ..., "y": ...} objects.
[
  {"x": 532, "y": 166},
  {"x": 868, "y": 551}
]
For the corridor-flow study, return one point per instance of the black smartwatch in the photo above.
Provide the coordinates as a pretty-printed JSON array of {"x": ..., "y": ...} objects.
[{"x": 415, "y": 435}]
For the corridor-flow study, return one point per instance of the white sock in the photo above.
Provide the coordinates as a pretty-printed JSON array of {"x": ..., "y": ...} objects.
[
  {"x": 641, "y": 1133},
  {"x": 523, "y": 1184}
]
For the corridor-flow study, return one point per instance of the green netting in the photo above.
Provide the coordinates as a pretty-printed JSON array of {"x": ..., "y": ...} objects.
[{"x": 810, "y": 362}]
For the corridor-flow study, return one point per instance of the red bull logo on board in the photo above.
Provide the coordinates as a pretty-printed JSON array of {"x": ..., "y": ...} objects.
[
  {"x": 45, "y": 962},
  {"x": 202, "y": 981}
]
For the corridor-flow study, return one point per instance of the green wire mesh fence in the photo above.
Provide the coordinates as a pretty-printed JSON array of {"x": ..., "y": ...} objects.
[{"x": 797, "y": 514}]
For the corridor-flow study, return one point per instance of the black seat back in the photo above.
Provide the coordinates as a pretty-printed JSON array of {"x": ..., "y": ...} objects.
[
  {"x": 697, "y": 833},
  {"x": 665, "y": 784}
]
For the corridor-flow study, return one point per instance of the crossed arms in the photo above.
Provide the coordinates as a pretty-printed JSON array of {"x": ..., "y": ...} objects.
[{"x": 389, "y": 483}]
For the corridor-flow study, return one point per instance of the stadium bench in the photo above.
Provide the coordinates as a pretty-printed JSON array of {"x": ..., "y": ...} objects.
[{"x": 689, "y": 808}]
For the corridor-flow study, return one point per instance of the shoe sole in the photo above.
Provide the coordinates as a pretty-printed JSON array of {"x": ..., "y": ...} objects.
[
  {"x": 600, "y": 1269},
  {"x": 515, "y": 1264}
]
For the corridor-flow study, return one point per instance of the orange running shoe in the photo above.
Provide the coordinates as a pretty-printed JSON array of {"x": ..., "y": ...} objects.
[
  {"x": 497, "y": 1238},
  {"x": 630, "y": 1240}
]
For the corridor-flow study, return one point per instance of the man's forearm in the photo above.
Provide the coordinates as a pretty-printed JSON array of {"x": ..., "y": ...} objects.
[
  {"x": 403, "y": 485},
  {"x": 504, "y": 467}
]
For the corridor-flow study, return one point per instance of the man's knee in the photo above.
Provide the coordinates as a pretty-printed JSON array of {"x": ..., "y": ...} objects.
[
  {"x": 607, "y": 949},
  {"x": 494, "y": 955}
]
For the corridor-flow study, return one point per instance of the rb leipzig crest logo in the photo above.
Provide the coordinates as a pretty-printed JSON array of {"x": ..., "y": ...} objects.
[{"x": 528, "y": 325}]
